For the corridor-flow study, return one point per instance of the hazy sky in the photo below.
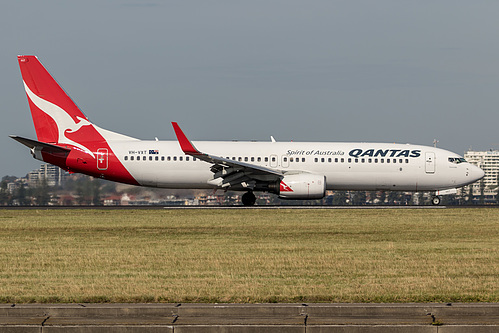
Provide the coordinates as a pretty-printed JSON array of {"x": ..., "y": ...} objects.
[{"x": 384, "y": 71}]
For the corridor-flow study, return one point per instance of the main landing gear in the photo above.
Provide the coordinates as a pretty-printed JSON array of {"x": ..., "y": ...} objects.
[
  {"x": 435, "y": 201},
  {"x": 248, "y": 199}
]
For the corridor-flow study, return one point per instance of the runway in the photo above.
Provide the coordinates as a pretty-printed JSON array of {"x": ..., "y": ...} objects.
[
  {"x": 423, "y": 318},
  {"x": 246, "y": 207}
]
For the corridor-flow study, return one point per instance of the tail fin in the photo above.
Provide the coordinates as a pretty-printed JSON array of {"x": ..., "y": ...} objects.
[
  {"x": 66, "y": 137},
  {"x": 52, "y": 109}
]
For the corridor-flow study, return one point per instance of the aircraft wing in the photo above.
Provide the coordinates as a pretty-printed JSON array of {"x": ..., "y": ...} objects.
[{"x": 227, "y": 172}]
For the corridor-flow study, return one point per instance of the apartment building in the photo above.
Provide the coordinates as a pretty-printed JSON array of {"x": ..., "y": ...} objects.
[
  {"x": 52, "y": 174},
  {"x": 488, "y": 161}
]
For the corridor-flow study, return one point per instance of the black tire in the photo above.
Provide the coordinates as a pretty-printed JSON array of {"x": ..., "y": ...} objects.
[
  {"x": 248, "y": 199},
  {"x": 435, "y": 201}
]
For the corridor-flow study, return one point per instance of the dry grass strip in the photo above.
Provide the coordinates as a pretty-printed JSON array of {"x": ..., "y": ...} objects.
[{"x": 444, "y": 255}]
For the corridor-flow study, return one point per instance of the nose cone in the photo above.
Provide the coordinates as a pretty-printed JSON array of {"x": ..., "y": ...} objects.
[{"x": 477, "y": 173}]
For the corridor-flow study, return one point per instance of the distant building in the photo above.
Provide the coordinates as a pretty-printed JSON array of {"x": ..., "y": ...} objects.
[
  {"x": 488, "y": 161},
  {"x": 54, "y": 175},
  {"x": 11, "y": 187}
]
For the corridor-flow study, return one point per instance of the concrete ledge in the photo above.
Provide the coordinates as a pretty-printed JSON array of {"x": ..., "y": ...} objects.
[{"x": 418, "y": 318}]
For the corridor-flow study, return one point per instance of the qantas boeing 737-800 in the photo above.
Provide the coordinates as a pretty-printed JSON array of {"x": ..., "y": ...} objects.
[{"x": 292, "y": 170}]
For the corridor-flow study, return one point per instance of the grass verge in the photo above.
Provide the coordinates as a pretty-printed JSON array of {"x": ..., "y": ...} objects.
[{"x": 444, "y": 255}]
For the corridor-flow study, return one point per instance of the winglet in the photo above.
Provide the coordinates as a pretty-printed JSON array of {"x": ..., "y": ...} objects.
[{"x": 187, "y": 147}]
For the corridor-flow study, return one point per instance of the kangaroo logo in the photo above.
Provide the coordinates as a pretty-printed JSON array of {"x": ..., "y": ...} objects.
[
  {"x": 284, "y": 187},
  {"x": 63, "y": 120}
]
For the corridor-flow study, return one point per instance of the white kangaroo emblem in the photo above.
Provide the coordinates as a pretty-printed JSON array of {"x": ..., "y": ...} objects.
[{"x": 62, "y": 119}]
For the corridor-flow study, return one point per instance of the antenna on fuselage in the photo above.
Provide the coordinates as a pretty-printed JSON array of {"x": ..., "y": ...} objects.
[
  {"x": 272, "y": 139},
  {"x": 435, "y": 141}
]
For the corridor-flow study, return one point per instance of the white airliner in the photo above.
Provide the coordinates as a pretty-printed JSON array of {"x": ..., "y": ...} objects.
[{"x": 292, "y": 170}]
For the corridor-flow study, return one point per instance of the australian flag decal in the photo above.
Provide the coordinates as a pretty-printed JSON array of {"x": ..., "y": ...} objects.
[{"x": 153, "y": 152}]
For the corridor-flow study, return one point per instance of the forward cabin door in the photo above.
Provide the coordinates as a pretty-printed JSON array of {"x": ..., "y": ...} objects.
[{"x": 430, "y": 162}]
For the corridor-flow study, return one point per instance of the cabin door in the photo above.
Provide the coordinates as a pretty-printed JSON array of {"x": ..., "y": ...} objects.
[
  {"x": 102, "y": 159},
  {"x": 430, "y": 162}
]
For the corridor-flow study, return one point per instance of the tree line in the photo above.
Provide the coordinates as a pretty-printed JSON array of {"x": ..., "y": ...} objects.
[{"x": 85, "y": 190}]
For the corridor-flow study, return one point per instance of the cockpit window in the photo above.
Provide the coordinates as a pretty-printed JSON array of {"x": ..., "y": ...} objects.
[{"x": 456, "y": 160}]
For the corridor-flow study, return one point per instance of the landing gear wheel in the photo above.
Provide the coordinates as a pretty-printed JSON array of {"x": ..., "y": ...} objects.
[
  {"x": 435, "y": 201},
  {"x": 248, "y": 199}
]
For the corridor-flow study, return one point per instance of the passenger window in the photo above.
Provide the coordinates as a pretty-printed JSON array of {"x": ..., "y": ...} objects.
[
  {"x": 246, "y": 159},
  {"x": 316, "y": 159},
  {"x": 322, "y": 160},
  {"x": 180, "y": 158},
  {"x": 162, "y": 158},
  {"x": 285, "y": 159},
  {"x": 401, "y": 161},
  {"x": 375, "y": 160},
  {"x": 291, "y": 159},
  {"x": 370, "y": 160},
  {"x": 131, "y": 158},
  {"x": 252, "y": 159},
  {"x": 349, "y": 160},
  {"x": 259, "y": 159},
  {"x": 356, "y": 160},
  {"x": 144, "y": 158},
  {"x": 168, "y": 158},
  {"x": 187, "y": 158},
  {"x": 266, "y": 159},
  {"x": 240, "y": 159},
  {"x": 406, "y": 160},
  {"x": 174, "y": 158},
  {"x": 363, "y": 160},
  {"x": 157, "y": 158},
  {"x": 150, "y": 158},
  {"x": 303, "y": 159},
  {"x": 342, "y": 160},
  {"x": 126, "y": 158},
  {"x": 273, "y": 159},
  {"x": 387, "y": 160}
]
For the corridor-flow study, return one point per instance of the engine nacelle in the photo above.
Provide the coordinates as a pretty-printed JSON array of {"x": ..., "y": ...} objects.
[{"x": 302, "y": 186}]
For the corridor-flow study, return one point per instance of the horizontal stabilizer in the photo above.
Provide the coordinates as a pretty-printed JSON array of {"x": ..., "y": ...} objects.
[{"x": 46, "y": 147}]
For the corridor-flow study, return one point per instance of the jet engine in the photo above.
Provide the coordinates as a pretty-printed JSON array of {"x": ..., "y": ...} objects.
[{"x": 302, "y": 186}]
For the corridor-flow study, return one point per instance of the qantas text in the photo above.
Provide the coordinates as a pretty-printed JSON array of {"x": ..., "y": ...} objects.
[{"x": 385, "y": 153}]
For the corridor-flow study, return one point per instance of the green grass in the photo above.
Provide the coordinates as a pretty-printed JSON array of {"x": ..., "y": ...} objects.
[{"x": 434, "y": 255}]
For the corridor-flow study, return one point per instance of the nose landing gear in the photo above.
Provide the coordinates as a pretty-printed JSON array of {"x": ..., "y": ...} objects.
[
  {"x": 248, "y": 199},
  {"x": 435, "y": 201}
]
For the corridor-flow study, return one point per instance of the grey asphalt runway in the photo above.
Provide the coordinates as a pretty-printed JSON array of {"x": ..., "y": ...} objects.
[{"x": 246, "y": 207}]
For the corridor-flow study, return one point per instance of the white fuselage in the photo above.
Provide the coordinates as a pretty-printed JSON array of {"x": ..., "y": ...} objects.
[{"x": 346, "y": 166}]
